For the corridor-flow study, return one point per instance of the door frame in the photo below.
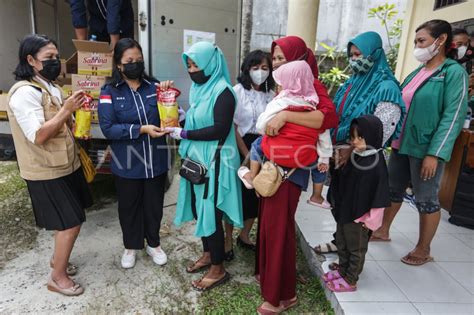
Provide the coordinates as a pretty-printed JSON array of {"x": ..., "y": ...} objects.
[{"x": 144, "y": 32}]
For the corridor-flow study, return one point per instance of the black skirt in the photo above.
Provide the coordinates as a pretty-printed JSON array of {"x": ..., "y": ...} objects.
[
  {"x": 249, "y": 198},
  {"x": 58, "y": 204}
]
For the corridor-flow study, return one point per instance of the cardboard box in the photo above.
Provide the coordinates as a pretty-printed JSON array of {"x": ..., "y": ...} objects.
[
  {"x": 67, "y": 90},
  {"x": 92, "y": 58},
  {"x": 95, "y": 114},
  {"x": 3, "y": 106},
  {"x": 63, "y": 79},
  {"x": 90, "y": 84}
]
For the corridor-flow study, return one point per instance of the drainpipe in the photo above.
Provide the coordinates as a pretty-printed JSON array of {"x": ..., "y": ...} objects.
[{"x": 32, "y": 16}]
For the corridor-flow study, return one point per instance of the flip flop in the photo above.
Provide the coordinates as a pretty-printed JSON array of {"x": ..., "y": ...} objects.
[
  {"x": 325, "y": 248},
  {"x": 241, "y": 172},
  {"x": 264, "y": 311},
  {"x": 331, "y": 275},
  {"x": 287, "y": 304},
  {"x": 416, "y": 261},
  {"x": 219, "y": 282},
  {"x": 374, "y": 238},
  {"x": 340, "y": 285},
  {"x": 324, "y": 204},
  {"x": 190, "y": 269},
  {"x": 75, "y": 290}
]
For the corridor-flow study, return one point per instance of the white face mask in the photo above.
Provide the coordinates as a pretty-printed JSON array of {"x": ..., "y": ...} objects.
[
  {"x": 462, "y": 51},
  {"x": 259, "y": 76},
  {"x": 426, "y": 54}
]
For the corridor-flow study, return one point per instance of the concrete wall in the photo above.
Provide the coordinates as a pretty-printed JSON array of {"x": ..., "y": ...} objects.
[
  {"x": 338, "y": 20},
  {"x": 421, "y": 11},
  {"x": 14, "y": 24},
  {"x": 269, "y": 17}
]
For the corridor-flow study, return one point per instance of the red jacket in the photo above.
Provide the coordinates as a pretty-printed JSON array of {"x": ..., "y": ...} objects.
[{"x": 326, "y": 106}]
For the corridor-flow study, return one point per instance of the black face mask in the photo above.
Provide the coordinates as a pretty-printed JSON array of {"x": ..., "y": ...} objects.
[
  {"x": 134, "y": 70},
  {"x": 51, "y": 69},
  {"x": 199, "y": 77}
]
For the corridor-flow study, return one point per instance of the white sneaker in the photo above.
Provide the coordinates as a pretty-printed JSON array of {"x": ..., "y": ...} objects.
[
  {"x": 128, "y": 258},
  {"x": 158, "y": 255}
]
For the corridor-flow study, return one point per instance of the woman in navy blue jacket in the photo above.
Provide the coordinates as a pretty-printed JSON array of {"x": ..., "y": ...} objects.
[{"x": 128, "y": 116}]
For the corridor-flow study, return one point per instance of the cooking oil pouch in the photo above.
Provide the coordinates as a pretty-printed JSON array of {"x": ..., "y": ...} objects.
[
  {"x": 82, "y": 128},
  {"x": 168, "y": 107}
]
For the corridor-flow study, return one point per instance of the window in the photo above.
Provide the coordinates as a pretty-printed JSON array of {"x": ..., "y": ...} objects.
[{"x": 439, "y": 4}]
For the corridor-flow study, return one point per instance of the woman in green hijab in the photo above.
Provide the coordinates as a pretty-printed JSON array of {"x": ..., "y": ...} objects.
[
  {"x": 371, "y": 90},
  {"x": 208, "y": 137}
]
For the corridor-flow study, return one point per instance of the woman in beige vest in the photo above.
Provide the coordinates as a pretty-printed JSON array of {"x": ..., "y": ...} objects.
[{"x": 47, "y": 155}]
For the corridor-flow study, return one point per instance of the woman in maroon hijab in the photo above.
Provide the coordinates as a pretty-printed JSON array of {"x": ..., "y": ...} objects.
[{"x": 276, "y": 237}]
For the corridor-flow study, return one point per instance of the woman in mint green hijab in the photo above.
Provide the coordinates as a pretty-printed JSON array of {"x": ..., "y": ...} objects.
[
  {"x": 371, "y": 90},
  {"x": 209, "y": 126}
]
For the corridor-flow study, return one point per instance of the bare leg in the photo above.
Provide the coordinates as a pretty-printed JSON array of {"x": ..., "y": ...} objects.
[
  {"x": 214, "y": 274},
  {"x": 204, "y": 260},
  {"x": 317, "y": 195},
  {"x": 388, "y": 216},
  {"x": 64, "y": 242},
  {"x": 428, "y": 226},
  {"x": 229, "y": 228},
  {"x": 244, "y": 233}
]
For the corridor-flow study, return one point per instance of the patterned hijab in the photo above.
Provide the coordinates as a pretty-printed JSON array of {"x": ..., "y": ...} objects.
[{"x": 367, "y": 90}]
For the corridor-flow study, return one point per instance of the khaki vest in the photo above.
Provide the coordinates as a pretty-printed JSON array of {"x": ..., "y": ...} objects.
[{"x": 57, "y": 157}]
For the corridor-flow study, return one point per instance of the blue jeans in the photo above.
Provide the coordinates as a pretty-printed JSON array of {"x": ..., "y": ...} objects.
[
  {"x": 317, "y": 176},
  {"x": 256, "y": 152}
]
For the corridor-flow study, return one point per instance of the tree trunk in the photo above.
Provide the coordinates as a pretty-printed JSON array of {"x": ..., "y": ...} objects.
[{"x": 246, "y": 30}]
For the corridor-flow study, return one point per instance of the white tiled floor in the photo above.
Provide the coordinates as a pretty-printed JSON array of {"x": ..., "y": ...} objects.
[{"x": 387, "y": 286}]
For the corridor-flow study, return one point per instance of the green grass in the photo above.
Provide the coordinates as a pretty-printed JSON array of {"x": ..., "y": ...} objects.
[
  {"x": 241, "y": 295},
  {"x": 17, "y": 224}
]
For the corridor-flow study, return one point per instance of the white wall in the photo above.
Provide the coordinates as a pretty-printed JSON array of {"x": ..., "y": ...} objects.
[{"x": 338, "y": 20}]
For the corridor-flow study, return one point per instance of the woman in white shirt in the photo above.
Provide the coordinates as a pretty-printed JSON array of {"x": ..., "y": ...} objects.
[
  {"x": 254, "y": 91},
  {"x": 47, "y": 155}
]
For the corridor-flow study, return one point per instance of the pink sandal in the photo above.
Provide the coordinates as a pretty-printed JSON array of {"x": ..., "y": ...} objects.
[
  {"x": 340, "y": 285},
  {"x": 331, "y": 275}
]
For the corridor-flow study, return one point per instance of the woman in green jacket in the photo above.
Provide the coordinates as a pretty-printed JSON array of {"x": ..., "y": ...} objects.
[{"x": 435, "y": 95}]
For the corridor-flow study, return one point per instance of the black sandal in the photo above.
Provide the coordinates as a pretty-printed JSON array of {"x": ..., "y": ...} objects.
[
  {"x": 190, "y": 269},
  {"x": 229, "y": 256},
  {"x": 219, "y": 282},
  {"x": 245, "y": 245}
]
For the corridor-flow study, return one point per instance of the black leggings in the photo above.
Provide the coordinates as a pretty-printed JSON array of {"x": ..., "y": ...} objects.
[{"x": 213, "y": 243}]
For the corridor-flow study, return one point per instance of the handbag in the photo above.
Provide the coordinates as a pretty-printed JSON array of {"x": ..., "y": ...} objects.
[
  {"x": 193, "y": 171},
  {"x": 269, "y": 179},
  {"x": 196, "y": 172},
  {"x": 87, "y": 166}
]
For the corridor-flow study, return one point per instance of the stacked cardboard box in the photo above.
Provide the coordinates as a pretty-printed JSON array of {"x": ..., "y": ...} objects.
[
  {"x": 87, "y": 70},
  {"x": 3, "y": 106}
]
